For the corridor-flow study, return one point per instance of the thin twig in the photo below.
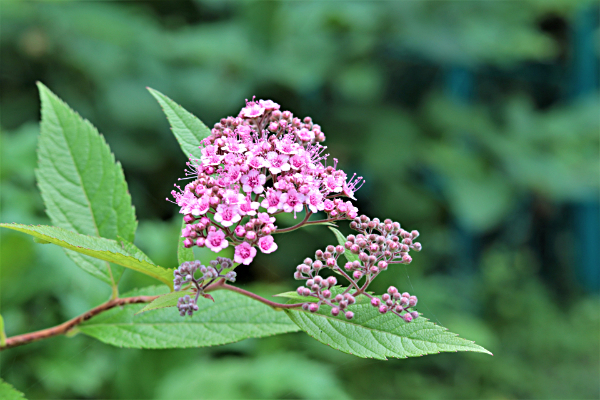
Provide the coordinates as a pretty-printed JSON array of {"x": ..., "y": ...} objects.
[{"x": 65, "y": 327}]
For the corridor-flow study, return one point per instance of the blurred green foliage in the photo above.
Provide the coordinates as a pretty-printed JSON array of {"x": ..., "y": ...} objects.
[{"x": 489, "y": 182}]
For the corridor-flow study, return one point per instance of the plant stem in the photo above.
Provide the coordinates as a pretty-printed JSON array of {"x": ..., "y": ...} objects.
[
  {"x": 65, "y": 327},
  {"x": 221, "y": 285}
]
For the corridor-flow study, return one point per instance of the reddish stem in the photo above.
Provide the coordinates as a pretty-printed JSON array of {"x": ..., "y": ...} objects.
[{"x": 65, "y": 327}]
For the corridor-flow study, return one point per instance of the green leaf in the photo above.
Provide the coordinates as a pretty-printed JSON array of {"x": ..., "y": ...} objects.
[
  {"x": 82, "y": 186},
  {"x": 230, "y": 318},
  {"x": 373, "y": 335},
  {"x": 187, "y": 128},
  {"x": 97, "y": 247},
  {"x": 2, "y": 333},
  {"x": 342, "y": 241},
  {"x": 184, "y": 254},
  {"x": 7, "y": 392},
  {"x": 166, "y": 300}
]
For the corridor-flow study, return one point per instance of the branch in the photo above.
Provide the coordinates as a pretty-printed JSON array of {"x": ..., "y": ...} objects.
[{"x": 65, "y": 327}]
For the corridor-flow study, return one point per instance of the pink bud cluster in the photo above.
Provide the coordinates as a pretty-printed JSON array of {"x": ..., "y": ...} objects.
[
  {"x": 261, "y": 163},
  {"x": 395, "y": 302},
  {"x": 378, "y": 245}
]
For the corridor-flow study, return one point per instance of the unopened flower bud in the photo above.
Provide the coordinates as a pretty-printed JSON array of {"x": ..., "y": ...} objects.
[
  {"x": 310, "y": 282},
  {"x": 412, "y": 301},
  {"x": 349, "y": 315},
  {"x": 331, "y": 262},
  {"x": 335, "y": 311},
  {"x": 339, "y": 249},
  {"x": 383, "y": 309},
  {"x": 339, "y": 298},
  {"x": 375, "y": 302},
  {"x": 407, "y": 317},
  {"x": 313, "y": 307},
  {"x": 319, "y": 254},
  {"x": 250, "y": 235},
  {"x": 332, "y": 281},
  {"x": 385, "y": 297},
  {"x": 317, "y": 265},
  {"x": 414, "y": 315},
  {"x": 326, "y": 294},
  {"x": 305, "y": 306},
  {"x": 306, "y": 292},
  {"x": 187, "y": 243},
  {"x": 330, "y": 249},
  {"x": 357, "y": 275},
  {"x": 200, "y": 242},
  {"x": 307, "y": 261},
  {"x": 382, "y": 265}
]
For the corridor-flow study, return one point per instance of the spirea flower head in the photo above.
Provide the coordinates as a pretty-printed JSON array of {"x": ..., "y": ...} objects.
[{"x": 262, "y": 161}]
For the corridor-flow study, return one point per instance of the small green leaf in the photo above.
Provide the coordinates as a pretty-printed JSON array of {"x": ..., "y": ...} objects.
[
  {"x": 7, "y": 392},
  {"x": 2, "y": 333},
  {"x": 82, "y": 186},
  {"x": 342, "y": 241},
  {"x": 373, "y": 335},
  {"x": 230, "y": 318},
  {"x": 184, "y": 254},
  {"x": 296, "y": 298},
  {"x": 97, "y": 247},
  {"x": 166, "y": 300},
  {"x": 187, "y": 128}
]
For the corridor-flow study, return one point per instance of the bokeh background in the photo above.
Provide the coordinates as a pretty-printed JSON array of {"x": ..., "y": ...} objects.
[{"x": 476, "y": 123}]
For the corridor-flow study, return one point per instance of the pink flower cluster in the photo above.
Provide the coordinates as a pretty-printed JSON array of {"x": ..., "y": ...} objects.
[{"x": 261, "y": 163}]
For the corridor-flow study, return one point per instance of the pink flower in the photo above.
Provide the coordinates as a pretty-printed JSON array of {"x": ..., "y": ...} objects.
[
  {"x": 210, "y": 156},
  {"x": 252, "y": 110},
  {"x": 287, "y": 146},
  {"x": 244, "y": 253},
  {"x": 254, "y": 161},
  {"x": 277, "y": 162},
  {"x": 234, "y": 146},
  {"x": 298, "y": 161},
  {"x": 265, "y": 218},
  {"x": 314, "y": 200},
  {"x": 271, "y": 201},
  {"x": 227, "y": 215},
  {"x": 328, "y": 205},
  {"x": 292, "y": 201},
  {"x": 305, "y": 135},
  {"x": 249, "y": 207},
  {"x": 233, "y": 197},
  {"x": 268, "y": 105},
  {"x": 253, "y": 181},
  {"x": 216, "y": 241},
  {"x": 333, "y": 185},
  {"x": 201, "y": 206},
  {"x": 267, "y": 244}
]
